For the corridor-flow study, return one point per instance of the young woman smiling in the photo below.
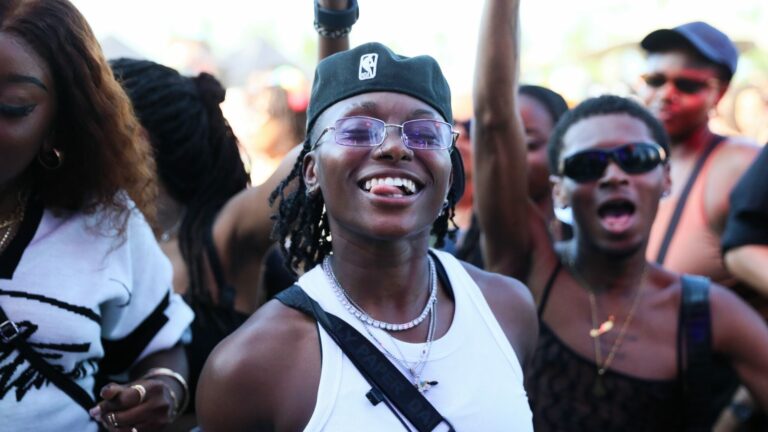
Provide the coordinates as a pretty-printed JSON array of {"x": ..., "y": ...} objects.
[{"x": 378, "y": 176}]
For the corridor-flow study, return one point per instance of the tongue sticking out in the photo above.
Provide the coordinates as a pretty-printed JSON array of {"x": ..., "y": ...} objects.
[{"x": 387, "y": 190}]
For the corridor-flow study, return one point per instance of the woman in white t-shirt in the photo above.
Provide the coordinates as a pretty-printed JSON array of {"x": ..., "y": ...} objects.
[{"x": 83, "y": 283}]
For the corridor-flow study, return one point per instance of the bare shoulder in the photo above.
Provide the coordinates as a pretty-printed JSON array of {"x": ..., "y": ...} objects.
[
  {"x": 512, "y": 304},
  {"x": 729, "y": 163},
  {"x": 250, "y": 381},
  {"x": 736, "y": 153},
  {"x": 732, "y": 319}
]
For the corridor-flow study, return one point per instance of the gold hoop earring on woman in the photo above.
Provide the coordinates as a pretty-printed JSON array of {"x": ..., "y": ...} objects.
[{"x": 51, "y": 159}]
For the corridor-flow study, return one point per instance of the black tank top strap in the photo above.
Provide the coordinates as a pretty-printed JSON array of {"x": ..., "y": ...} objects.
[
  {"x": 226, "y": 290},
  {"x": 442, "y": 276},
  {"x": 548, "y": 287},
  {"x": 678, "y": 212}
]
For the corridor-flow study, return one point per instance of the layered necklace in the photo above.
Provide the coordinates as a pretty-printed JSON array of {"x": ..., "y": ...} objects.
[
  {"x": 598, "y": 329},
  {"x": 414, "y": 369}
]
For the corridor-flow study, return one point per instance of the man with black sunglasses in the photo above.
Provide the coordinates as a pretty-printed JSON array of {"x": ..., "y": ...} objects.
[
  {"x": 624, "y": 344},
  {"x": 688, "y": 70}
]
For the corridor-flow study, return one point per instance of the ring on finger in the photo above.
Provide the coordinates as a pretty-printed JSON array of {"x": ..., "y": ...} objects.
[
  {"x": 112, "y": 419},
  {"x": 142, "y": 391}
]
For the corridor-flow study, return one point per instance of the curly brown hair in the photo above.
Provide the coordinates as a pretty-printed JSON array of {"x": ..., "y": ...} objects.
[{"x": 94, "y": 126}]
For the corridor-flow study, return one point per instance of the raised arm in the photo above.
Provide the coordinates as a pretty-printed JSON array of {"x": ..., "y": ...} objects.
[
  {"x": 327, "y": 44},
  {"x": 501, "y": 191}
]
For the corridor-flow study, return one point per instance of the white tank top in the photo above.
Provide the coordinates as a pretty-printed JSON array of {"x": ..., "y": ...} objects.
[{"x": 480, "y": 381}]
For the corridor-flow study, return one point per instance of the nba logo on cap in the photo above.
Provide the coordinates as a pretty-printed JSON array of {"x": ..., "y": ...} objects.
[{"x": 368, "y": 66}]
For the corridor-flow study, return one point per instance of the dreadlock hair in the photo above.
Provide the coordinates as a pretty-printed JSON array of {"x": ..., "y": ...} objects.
[
  {"x": 301, "y": 224},
  {"x": 601, "y": 105},
  {"x": 197, "y": 154}
]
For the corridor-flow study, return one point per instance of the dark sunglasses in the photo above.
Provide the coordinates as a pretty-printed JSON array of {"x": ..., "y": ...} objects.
[
  {"x": 635, "y": 158},
  {"x": 684, "y": 85}
]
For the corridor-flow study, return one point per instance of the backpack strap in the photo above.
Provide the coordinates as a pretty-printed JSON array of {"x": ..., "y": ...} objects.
[
  {"x": 11, "y": 335},
  {"x": 694, "y": 350},
  {"x": 387, "y": 382},
  {"x": 678, "y": 213}
]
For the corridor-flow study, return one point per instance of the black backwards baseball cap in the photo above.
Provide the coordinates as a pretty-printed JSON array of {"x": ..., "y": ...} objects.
[
  {"x": 708, "y": 41},
  {"x": 372, "y": 67}
]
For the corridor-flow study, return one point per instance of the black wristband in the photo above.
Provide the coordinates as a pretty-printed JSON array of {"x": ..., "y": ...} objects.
[{"x": 333, "y": 19}]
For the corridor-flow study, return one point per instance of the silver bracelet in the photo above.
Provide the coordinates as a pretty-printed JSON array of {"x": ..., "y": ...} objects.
[{"x": 332, "y": 33}]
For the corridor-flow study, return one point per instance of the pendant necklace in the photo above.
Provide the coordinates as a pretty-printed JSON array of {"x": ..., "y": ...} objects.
[
  {"x": 414, "y": 369},
  {"x": 598, "y": 329}
]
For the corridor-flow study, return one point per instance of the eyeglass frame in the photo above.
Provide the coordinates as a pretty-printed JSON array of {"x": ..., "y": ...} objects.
[{"x": 454, "y": 134}]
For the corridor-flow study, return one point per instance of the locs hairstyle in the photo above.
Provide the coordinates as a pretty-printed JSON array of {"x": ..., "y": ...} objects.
[
  {"x": 94, "y": 126},
  {"x": 197, "y": 154},
  {"x": 602, "y": 105}
]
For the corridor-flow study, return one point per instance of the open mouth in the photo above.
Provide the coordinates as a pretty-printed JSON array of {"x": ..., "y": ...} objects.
[
  {"x": 616, "y": 215},
  {"x": 390, "y": 186}
]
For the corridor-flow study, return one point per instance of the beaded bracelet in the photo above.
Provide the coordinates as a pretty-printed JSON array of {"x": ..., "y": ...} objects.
[
  {"x": 158, "y": 372},
  {"x": 331, "y": 34},
  {"x": 335, "y": 24}
]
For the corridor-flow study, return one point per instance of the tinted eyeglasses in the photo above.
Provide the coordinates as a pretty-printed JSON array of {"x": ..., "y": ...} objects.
[
  {"x": 682, "y": 84},
  {"x": 635, "y": 158},
  {"x": 421, "y": 134}
]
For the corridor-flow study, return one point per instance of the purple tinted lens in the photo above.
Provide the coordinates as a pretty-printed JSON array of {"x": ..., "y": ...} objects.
[
  {"x": 359, "y": 131},
  {"x": 427, "y": 134}
]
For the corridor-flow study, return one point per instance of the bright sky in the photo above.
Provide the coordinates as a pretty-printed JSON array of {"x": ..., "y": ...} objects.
[{"x": 555, "y": 32}]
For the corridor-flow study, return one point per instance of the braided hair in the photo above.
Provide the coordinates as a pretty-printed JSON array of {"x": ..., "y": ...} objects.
[
  {"x": 197, "y": 154},
  {"x": 301, "y": 223}
]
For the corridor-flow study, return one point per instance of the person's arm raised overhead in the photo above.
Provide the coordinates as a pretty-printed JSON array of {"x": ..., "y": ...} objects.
[
  {"x": 333, "y": 22},
  {"x": 501, "y": 192}
]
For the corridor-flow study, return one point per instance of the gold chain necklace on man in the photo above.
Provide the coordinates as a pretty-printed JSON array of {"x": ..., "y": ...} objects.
[{"x": 598, "y": 329}]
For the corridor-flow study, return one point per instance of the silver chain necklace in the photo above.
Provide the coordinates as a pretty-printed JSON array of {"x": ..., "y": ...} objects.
[
  {"x": 358, "y": 312},
  {"x": 416, "y": 369}
]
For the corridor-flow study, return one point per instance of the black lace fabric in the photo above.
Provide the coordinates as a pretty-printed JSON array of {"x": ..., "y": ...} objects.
[{"x": 561, "y": 388}]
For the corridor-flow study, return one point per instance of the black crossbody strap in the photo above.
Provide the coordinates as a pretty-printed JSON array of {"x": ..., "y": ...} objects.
[
  {"x": 695, "y": 351},
  {"x": 383, "y": 376},
  {"x": 11, "y": 335},
  {"x": 675, "y": 220}
]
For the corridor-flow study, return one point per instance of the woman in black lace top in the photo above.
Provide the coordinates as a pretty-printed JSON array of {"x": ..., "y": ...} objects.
[{"x": 609, "y": 357}]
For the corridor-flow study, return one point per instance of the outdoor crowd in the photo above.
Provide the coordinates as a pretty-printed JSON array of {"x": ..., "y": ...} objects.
[{"x": 600, "y": 267}]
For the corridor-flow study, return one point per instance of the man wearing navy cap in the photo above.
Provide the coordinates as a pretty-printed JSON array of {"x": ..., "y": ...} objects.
[{"x": 688, "y": 70}]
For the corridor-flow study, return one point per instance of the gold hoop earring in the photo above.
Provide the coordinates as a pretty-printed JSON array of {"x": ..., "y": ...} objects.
[{"x": 50, "y": 160}]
